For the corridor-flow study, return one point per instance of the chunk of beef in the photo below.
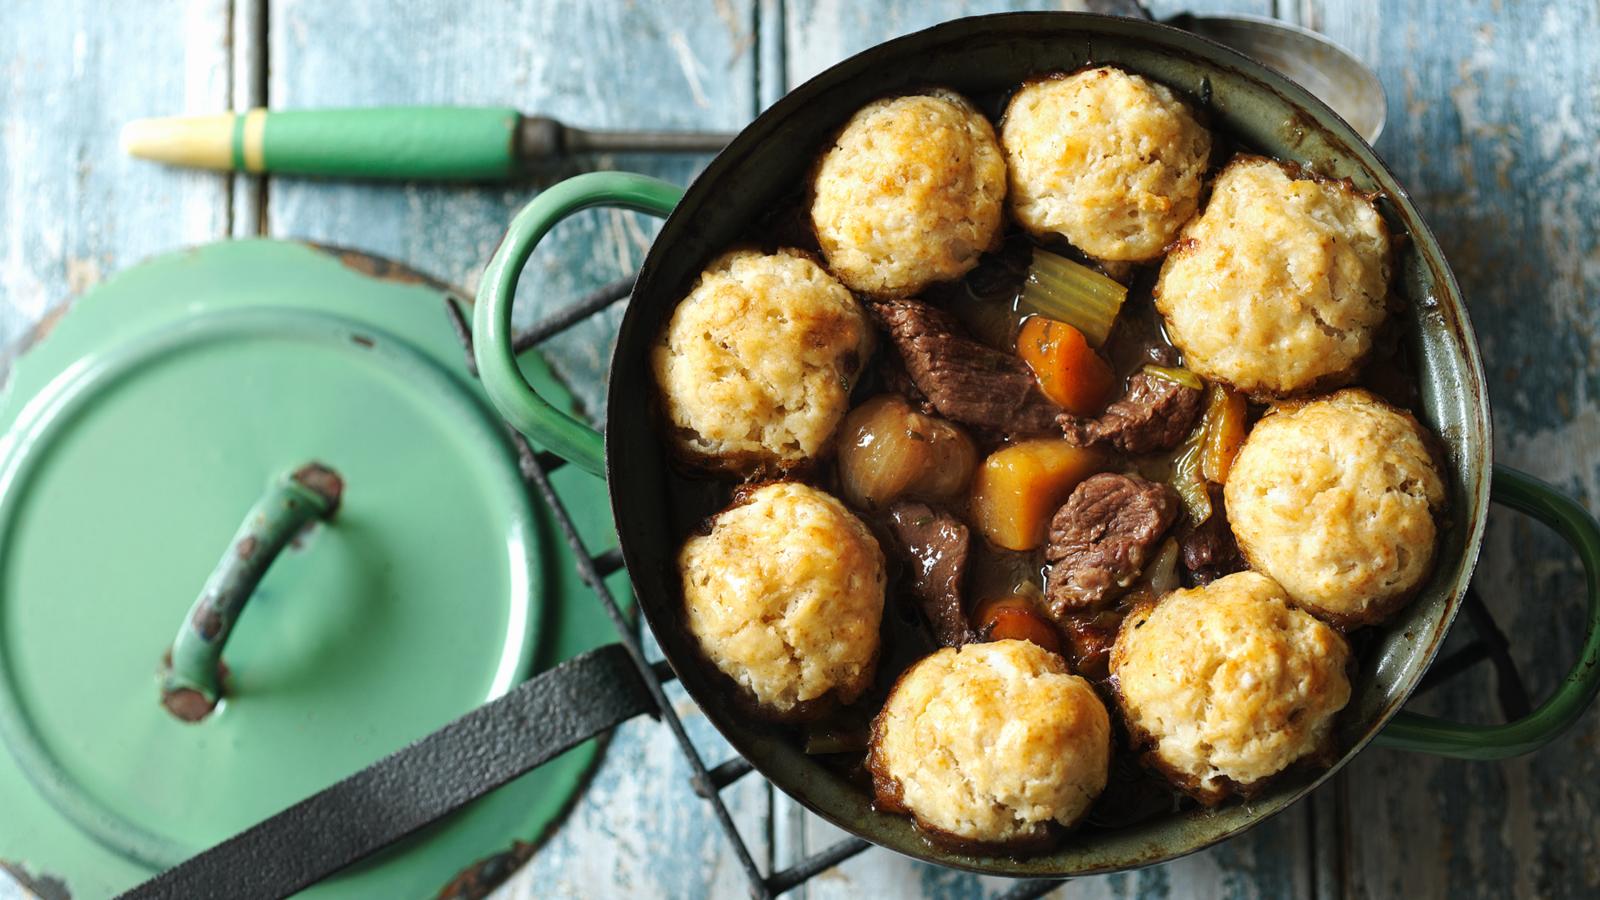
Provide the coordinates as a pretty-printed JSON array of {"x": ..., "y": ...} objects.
[
  {"x": 1209, "y": 550},
  {"x": 934, "y": 546},
  {"x": 1089, "y": 639},
  {"x": 1101, "y": 538},
  {"x": 896, "y": 381},
  {"x": 964, "y": 380},
  {"x": 1155, "y": 414}
]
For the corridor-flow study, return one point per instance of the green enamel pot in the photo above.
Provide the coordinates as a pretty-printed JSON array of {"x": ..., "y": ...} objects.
[{"x": 765, "y": 167}]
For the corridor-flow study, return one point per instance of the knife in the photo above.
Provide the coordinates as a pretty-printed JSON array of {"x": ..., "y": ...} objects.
[{"x": 435, "y": 143}]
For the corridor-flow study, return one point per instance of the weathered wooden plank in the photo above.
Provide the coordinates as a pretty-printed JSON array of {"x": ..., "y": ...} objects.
[
  {"x": 772, "y": 79},
  {"x": 1493, "y": 112},
  {"x": 72, "y": 208},
  {"x": 822, "y": 32},
  {"x": 1271, "y": 861},
  {"x": 1266, "y": 863},
  {"x": 667, "y": 65},
  {"x": 639, "y": 831}
]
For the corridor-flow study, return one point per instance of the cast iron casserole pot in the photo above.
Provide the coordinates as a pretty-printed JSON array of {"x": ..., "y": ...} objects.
[{"x": 761, "y": 169}]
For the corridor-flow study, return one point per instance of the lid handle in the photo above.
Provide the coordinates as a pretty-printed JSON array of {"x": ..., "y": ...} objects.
[{"x": 192, "y": 669}]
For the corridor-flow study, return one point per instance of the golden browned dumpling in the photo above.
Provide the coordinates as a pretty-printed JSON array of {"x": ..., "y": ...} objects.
[
  {"x": 1337, "y": 500},
  {"x": 1109, "y": 160},
  {"x": 756, "y": 365},
  {"x": 910, "y": 193},
  {"x": 995, "y": 743},
  {"x": 784, "y": 596},
  {"x": 1227, "y": 685},
  {"x": 1278, "y": 286}
]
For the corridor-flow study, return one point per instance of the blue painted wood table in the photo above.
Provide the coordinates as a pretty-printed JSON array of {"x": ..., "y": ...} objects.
[{"x": 1494, "y": 123}]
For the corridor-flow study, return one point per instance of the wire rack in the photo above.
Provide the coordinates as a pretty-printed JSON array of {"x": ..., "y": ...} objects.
[{"x": 708, "y": 781}]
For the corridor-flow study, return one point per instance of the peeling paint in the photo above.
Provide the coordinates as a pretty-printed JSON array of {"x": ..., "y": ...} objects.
[
  {"x": 82, "y": 274},
  {"x": 34, "y": 886},
  {"x": 690, "y": 65}
]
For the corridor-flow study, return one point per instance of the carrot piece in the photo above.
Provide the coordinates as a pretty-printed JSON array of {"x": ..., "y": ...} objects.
[
  {"x": 1018, "y": 488},
  {"x": 1014, "y": 618},
  {"x": 1225, "y": 426},
  {"x": 1068, "y": 370}
]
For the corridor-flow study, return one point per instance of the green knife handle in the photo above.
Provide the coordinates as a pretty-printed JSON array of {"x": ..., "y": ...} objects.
[{"x": 439, "y": 143}]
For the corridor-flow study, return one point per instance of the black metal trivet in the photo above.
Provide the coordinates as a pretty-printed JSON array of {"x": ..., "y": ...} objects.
[{"x": 708, "y": 781}]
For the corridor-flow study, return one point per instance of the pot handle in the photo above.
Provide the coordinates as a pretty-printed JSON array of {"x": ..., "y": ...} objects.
[
  {"x": 502, "y": 379},
  {"x": 1427, "y": 734}
]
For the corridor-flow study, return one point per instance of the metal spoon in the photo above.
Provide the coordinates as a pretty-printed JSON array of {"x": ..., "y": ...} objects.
[{"x": 1323, "y": 67}]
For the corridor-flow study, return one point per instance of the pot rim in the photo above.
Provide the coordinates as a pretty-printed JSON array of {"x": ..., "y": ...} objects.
[{"x": 1472, "y": 497}]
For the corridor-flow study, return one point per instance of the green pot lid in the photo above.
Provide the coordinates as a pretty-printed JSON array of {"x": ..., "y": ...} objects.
[{"x": 134, "y": 438}]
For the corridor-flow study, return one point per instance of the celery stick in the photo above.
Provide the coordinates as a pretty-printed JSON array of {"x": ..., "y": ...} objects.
[{"x": 1061, "y": 289}]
